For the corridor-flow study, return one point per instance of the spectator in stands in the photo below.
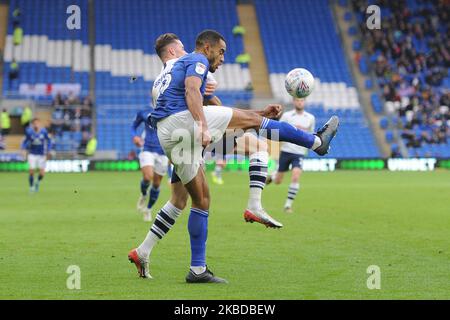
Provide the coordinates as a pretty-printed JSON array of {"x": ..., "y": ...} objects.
[
  {"x": 411, "y": 57},
  {"x": 5, "y": 122},
  {"x": 58, "y": 101},
  {"x": 16, "y": 15},
  {"x": 72, "y": 99},
  {"x": 57, "y": 122},
  {"x": 91, "y": 146},
  {"x": 26, "y": 117},
  {"x": 13, "y": 72},
  {"x": 395, "y": 152},
  {"x": 87, "y": 102},
  {"x": 2, "y": 143},
  {"x": 17, "y": 34},
  {"x": 238, "y": 30}
]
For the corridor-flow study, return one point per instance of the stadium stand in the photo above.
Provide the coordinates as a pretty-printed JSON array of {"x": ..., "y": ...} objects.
[
  {"x": 410, "y": 60},
  {"x": 124, "y": 49},
  {"x": 50, "y": 57},
  {"x": 315, "y": 46},
  {"x": 48, "y": 50},
  {"x": 126, "y": 65}
]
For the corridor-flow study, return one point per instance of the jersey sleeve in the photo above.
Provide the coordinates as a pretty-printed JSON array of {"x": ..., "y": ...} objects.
[
  {"x": 136, "y": 123},
  {"x": 49, "y": 141},
  {"x": 197, "y": 66},
  {"x": 26, "y": 141},
  {"x": 209, "y": 78},
  {"x": 283, "y": 117},
  {"x": 312, "y": 128}
]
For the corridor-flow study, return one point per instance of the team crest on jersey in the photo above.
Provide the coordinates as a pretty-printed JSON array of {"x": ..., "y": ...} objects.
[{"x": 200, "y": 68}]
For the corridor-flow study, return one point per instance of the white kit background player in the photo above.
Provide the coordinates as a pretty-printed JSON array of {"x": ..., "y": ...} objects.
[
  {"x": 152, "y": 160},
  {"x": 37, "y": 144},
  {"x": 291, "y": 155}
]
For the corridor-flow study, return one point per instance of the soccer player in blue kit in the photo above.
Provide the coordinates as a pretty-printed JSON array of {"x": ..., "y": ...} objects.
[
  {"x": 185, "y": 127},
  {"x": 38, "y": 144},
  {"x": 152, "y": 160}
]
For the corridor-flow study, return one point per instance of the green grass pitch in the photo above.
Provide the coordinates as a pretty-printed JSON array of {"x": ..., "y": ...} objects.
[{"x": 342, "y": 223}]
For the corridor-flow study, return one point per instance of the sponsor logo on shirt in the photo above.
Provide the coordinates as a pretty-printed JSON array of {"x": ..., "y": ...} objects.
[{"x": 200, "y": 68}]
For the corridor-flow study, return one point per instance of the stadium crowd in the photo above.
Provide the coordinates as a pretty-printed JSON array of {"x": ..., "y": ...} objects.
[
  {"x": 72, "y": 115},
  {"x": 410, "y": 56}
]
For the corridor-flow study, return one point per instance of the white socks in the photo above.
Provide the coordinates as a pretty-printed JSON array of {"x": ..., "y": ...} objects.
[
  {"x": 292, "y": 192},
  {"x": 317, "y": 143},
  {"x": 164, "y": 221},
  {"x": 198, "y": 270},
  {"x": 258, "y": 174}
]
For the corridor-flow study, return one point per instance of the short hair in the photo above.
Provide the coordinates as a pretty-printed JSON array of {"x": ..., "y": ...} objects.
[
  {"x": 34, "y": 120},
  {"x": 208, "y": 36},
  {"x": 164, "y": 40}
]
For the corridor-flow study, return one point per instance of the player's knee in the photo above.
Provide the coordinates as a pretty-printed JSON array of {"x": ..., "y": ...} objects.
[
  {"x": 156, "y": 182},
  {"x": 201, "y": 202},
  {"x": 179, "y": 201},
  {"x": 147, "y": 176}
]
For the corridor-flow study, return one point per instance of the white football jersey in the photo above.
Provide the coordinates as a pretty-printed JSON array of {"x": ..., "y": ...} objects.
[
  {"x": 304, "y": 121},
  {"x": 162, "y": 81}
]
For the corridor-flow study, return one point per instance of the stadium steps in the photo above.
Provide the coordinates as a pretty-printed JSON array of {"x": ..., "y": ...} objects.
[
  {"x": 253, "y": 45},
  {"x": 364, "y": 94},
  {"x": 13, "y": 142},
  {"x": 4, "y": 9},
  {"x": 45, "y": 116}
]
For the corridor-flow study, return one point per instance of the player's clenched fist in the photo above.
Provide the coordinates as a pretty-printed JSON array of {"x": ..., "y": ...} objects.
[
  {"x": 138, "y": 141},
  {"x": 206, "y": 137},
  {"x": 273, "y": 111}
]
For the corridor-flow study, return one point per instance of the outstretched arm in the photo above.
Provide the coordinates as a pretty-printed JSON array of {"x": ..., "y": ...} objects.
[
  {"x": 271, "y": 111},
  {"x": 136, "y": 123}
]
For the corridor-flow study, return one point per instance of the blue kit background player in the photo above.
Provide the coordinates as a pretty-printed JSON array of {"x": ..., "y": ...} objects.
[
  {"x": 152, "y": 160},
  {"x": 37, "y": 144}
]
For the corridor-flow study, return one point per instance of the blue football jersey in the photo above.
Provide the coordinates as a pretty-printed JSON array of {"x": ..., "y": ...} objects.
[
  {"x": 151, "y": 142},
  {"x": 34, "y": 141},
  {"x": 170, "y": 84}
]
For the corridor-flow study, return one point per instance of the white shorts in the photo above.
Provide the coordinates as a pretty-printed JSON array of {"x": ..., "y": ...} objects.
[
  {"x": 179, "y": 137},
  {"x": 159, "y": 162},
  {"x": 36, "y": 161}
]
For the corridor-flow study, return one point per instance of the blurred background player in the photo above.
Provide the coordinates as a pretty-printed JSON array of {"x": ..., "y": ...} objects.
[
  {"x": 38, "y": 144},
  {"x": 220, "y": 162},
  {"x": 291, "y": 155},
  {"x": 152, "y": 160}
]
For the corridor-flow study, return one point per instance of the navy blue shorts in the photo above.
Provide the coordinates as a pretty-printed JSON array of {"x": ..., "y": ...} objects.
[
  {"x": 287, "y": 159},
  {"x": 175, "y": 177},
  {"x": 224, "y": 146}
]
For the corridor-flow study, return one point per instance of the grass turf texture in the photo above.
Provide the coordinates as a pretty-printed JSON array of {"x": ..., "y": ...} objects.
[{"x": 343, "y": 223}]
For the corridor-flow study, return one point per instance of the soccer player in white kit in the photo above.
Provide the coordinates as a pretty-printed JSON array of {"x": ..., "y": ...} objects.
[{"x": 291, "y": 155}]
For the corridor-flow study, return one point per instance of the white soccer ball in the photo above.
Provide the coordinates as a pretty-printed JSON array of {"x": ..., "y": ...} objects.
[{"x": 299, "y": 83}]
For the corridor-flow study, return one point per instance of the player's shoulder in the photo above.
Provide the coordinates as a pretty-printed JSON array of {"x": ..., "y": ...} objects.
[
  {"x": 194, "y": 57},
  {"x": 289, "y": 113},
  {"x": 44, "y": 131},
  {"x": 309, "y": 115}
]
